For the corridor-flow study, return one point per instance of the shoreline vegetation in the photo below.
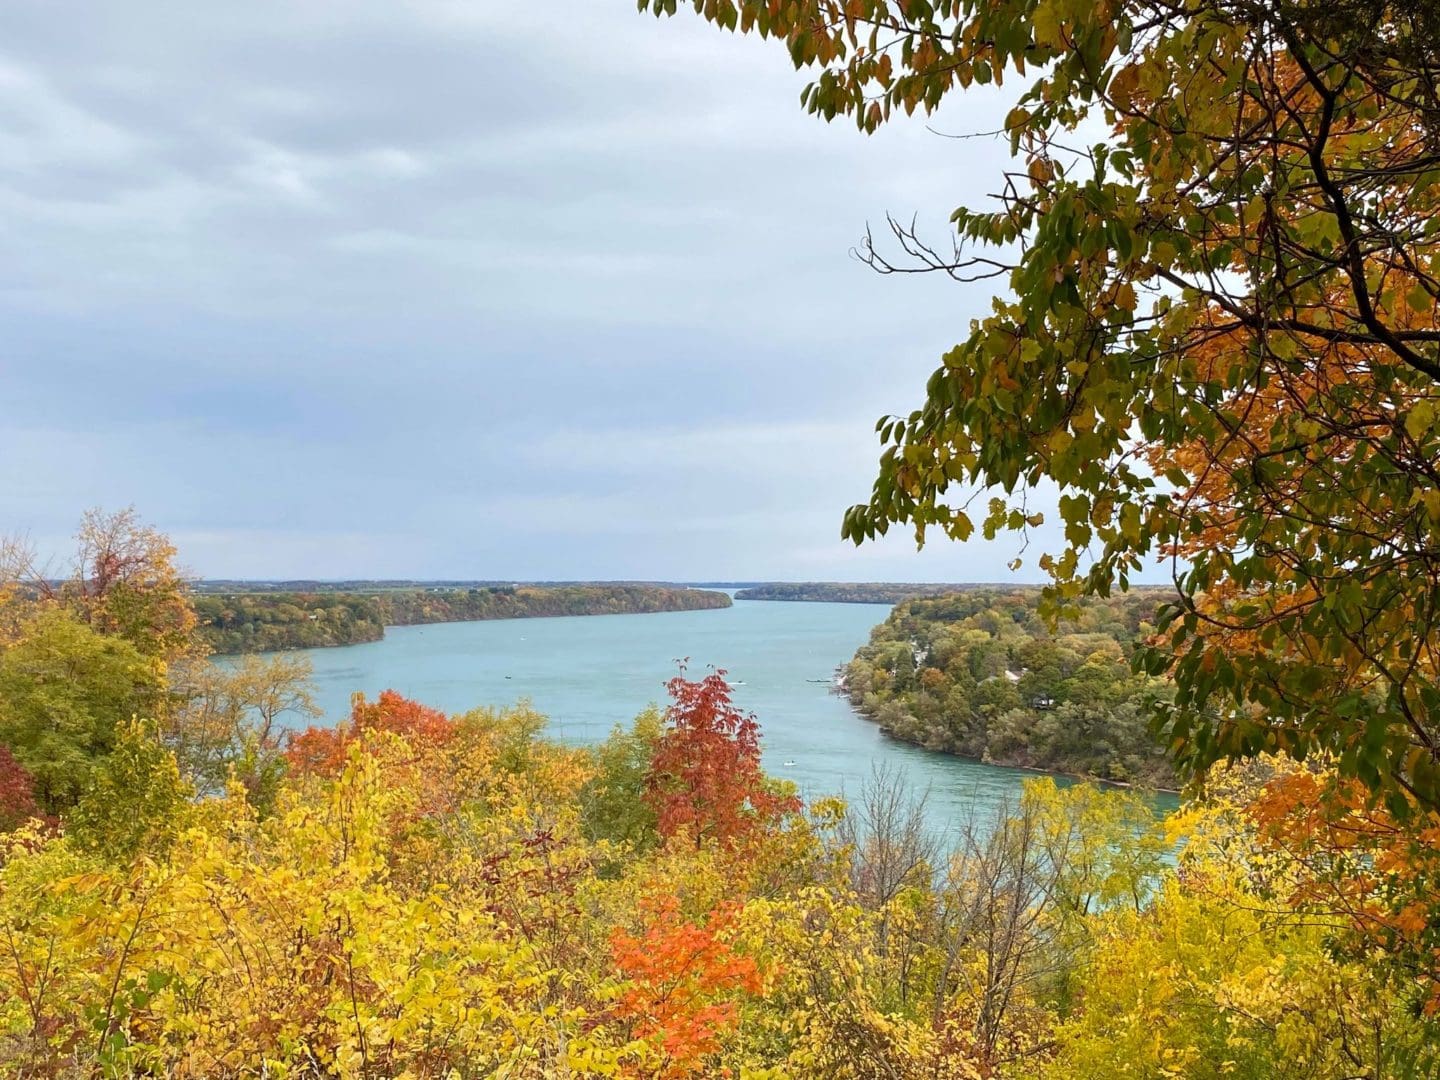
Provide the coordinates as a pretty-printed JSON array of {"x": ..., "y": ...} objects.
[
  {"x": 978, "y": 674},
  {"x": 258, "y": 620}
]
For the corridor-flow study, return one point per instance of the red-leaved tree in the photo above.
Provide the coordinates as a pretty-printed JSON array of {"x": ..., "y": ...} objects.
[
  {"x": 705, "y": 773},
  {"x": 17, "y": 792},
  {"x": 322, "y": 750}
]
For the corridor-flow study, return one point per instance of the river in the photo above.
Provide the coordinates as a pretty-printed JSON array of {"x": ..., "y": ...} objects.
[{"x": 588, "y": 673}]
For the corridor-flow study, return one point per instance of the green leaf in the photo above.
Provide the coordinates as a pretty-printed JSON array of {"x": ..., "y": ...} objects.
[{"x": 1420, "y": 418}]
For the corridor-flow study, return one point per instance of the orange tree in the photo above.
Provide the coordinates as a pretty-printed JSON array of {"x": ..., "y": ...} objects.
[
  {"x": 684, "y": 982},
  {"x": 1329, "y": 851},
  {"x": 325, "y": 750},
  {"x": 1216, "y": 332}
]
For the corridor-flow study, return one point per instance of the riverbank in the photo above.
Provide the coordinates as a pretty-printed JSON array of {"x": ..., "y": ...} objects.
[{"x": 1039, "y": 770}]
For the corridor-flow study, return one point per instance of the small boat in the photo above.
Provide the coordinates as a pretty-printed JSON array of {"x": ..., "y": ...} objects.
[{"x": 789, "y": 764}]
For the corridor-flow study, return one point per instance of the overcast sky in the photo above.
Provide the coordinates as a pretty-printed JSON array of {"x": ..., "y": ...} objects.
[{"x": 470, "y": 289}]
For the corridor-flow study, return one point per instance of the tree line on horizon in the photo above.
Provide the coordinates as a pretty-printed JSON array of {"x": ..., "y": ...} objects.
[
  {"x": 270, "y": 621},
  {"x": 847, "y": 592}
]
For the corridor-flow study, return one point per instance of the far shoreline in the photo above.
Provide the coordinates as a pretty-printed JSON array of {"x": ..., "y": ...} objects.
[{"x": 239, "y": 624}]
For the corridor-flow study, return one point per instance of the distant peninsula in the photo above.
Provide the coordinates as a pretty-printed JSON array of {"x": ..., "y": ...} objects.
[
  {"x": 845, "y": 592},
  {"x": 982, "y": 674},
  {"x": 260, "y": 618}
]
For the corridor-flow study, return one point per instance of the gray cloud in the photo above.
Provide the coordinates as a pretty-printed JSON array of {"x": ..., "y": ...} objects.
[{"x": 456, "y": 289}]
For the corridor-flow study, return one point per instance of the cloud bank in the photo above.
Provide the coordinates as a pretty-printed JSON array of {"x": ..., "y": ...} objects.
[{"x": 458, "y": 290}]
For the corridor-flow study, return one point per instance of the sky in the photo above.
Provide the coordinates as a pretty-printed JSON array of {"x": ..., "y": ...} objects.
[{"x": 460, "y": 290}]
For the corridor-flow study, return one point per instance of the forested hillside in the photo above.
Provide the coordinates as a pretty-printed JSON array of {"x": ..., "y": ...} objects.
[
  {"x": 980, "y": 673},
  {"x": 268, "y": 621},
  {"x": 409, "y": 607}
]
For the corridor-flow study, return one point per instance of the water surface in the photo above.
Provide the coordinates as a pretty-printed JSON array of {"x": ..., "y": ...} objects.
[{"x": 588, "y": 673}]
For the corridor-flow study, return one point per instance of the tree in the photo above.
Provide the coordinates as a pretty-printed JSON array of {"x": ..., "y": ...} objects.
[
  {"x": 886, "y": 837},
  {"x": 1219, "y": 337},
  {"x": 136, "y": 801},
  {"x": 613, "y": 801},
  {"x": 224, "y": 717},
  {"x": 323, "y": 749},
  {"x": 705, "y": 775},
  {"x": 123, "y": 582},
  {"x": 64, "y": 689},
  {"x": 685, "y": 977},
  {"x": 1237, "y": 965},
  {"x": 17, "y": 792},
  {"x": 1336, "y": 857}
]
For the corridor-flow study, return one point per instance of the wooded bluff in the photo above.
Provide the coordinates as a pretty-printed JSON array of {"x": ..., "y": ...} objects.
[
  {"x": 269, "y": 621},
  {"x": 981, "y": 674}
]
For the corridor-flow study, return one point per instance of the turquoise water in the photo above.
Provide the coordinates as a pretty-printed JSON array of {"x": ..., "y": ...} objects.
[{"x": 588, "y": 673}]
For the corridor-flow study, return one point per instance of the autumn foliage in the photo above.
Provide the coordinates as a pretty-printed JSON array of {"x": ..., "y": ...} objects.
[
  {"x": 705, "y": 777},
  {"x": 416, "y": 895},
  {"x": 323, "y": 750},
  {"x": 1347, "y": 858},
  {"x": 17, "y": 792},
  {"x": 429, "y": 900},
  {"x": 685, "y": 979}
]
